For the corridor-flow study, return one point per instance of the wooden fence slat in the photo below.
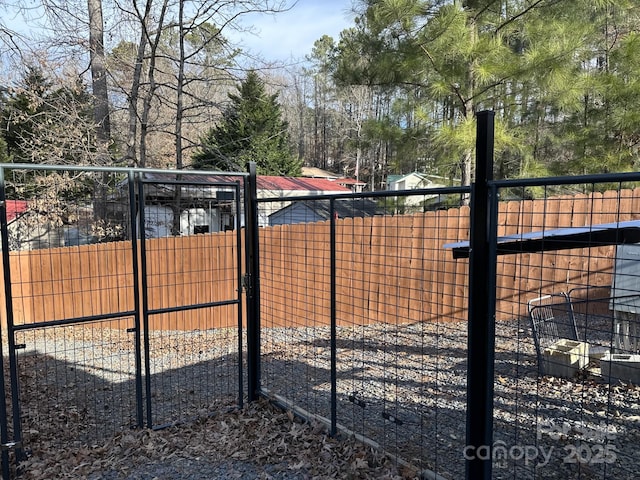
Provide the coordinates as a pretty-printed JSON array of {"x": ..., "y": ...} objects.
[
  {"x": 376, "y": 303},
  {"x": 388, "y": 279},
  {"x": 417, "y": 274},
  {"x": 356, "y": 262},
  {"x": 432, "y": 266}
]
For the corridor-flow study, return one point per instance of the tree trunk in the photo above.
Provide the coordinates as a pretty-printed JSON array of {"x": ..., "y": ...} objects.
[
  {"x": 177, "y": 197},
  {"x": 316, "y": 136},
  {"x": 98, "y": 75},
  {"x": 148, "y": 98},
  {"x": 180, "y": 86},
  {"x": 102, "y": 123},
  {"x": 134, "y": 96},
  {"x": 300, "y": 100},
  {"x": 468, "y": 107}
]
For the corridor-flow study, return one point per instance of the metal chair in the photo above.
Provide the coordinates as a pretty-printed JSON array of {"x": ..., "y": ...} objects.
[{"x": 552, "y": 319}]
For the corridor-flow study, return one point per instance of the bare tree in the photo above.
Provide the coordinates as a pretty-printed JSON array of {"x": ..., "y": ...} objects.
[
  {"x": 99, "y": 77},
  {"x": 181, "y": 48},
  {"x": 101, "y": 115},
  {"x": 177, "y": 78}
]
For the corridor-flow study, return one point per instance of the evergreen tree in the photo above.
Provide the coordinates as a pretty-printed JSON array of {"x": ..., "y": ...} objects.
[
  {"x": 43, "y": 122},
  {"x": 251, "y": 129},
  {"x": 547, "y": 68},
  {"x": 4, "y": 154}
]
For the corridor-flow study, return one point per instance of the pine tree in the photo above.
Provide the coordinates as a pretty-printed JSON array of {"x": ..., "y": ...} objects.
[
  {"x": 537, "y": 64},
  {"x": 251, "y": 129},
  {"x": 47, "y": 122},
  {"x": 4, "y": 154}
]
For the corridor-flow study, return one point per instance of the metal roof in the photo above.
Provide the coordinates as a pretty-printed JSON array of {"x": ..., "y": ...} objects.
[
  {"x": 560, "y": 239},
  {"x": 344, "y": 208},
  {"x": 15, "y": 208},
  {"x": 265, "y": 182},
  {"x": 299, "y": 184}
]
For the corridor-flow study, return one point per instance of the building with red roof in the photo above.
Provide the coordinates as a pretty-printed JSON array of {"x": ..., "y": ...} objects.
[
  {"x": 288, "y": 186},
  {"x": 209, "y": 200},
  {"x": 15, "y": 208}
]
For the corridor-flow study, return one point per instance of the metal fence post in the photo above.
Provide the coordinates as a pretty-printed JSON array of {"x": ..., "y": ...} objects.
[
  {"x": 239, "y": 254},
  {"x": 133, "y": 213},
  {"x": 253, "y": 283},
  {"x": 481, "y": 327},
  {"x": 4, "y": 420},
  {"x": 334, "y": 365},
  {"x": 143, "y": 306}
]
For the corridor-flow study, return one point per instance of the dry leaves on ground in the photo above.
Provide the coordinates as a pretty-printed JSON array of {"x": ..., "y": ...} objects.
[{"x": 272, "y": 442}]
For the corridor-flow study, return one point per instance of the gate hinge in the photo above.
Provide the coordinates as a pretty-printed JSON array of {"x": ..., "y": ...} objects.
[
  {"x": 246, "y": 282},
  {"x": 10, "y": 445}
]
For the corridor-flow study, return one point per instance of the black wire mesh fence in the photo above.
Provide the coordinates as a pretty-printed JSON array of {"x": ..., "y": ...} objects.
[
  {"x": 365, "y": 328},
  {"x": 76, "y": 383},
  {"x": 191, "y": 295},
  {"x": 567, "y": 407},
  {"x": 69, "y": 319},
  {"x": 363, "y": 321}
]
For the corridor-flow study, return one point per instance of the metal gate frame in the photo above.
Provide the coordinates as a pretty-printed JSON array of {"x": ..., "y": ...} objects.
[
  {"x": 141, "y": 312},
  {"x": 143, "y": 301}
]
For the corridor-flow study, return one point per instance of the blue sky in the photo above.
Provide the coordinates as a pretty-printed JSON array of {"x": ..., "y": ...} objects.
[
  {"x": 280, "y": 37},
  {"x": 291, "y": 34}
]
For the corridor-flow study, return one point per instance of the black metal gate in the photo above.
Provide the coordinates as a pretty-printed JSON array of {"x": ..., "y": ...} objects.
[
  {"x": 171, "y": 297},
  {"x": 123, "y": 301}
]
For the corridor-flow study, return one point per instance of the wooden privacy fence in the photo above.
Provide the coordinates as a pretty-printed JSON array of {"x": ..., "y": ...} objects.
[
  {"x": 388, "y": 268},
  {"x": 395, "y": 269},
  {"x": 92, "y": 280}
]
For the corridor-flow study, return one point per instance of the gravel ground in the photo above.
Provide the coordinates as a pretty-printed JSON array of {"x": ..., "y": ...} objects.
[{"x": 403, "y": 387}]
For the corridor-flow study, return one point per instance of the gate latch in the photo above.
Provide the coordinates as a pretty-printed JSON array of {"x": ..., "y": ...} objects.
[{"x": 10, "y": 445}]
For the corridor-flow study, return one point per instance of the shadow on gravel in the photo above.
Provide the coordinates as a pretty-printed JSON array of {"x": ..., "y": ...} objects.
[{"x": 410, "y": 401}]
